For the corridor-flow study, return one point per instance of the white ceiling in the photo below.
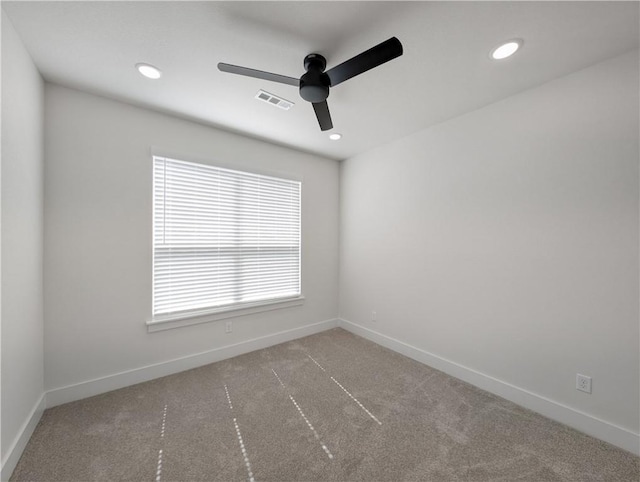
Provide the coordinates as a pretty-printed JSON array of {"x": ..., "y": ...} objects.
[{"x": 444, "y": 72}]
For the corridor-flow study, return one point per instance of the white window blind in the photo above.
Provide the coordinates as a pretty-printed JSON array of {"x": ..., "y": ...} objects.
[{"x": 222, "y": 237}]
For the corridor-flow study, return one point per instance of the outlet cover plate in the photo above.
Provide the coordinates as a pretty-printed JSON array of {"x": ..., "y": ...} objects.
[{"x": 583, "y": 383}]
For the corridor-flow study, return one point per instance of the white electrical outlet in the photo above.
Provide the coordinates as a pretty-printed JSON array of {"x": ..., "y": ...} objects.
[
  {"x": 583, "y": 383},
  {"x": 373, "y": 316},
  {"x": 228, "y": 327}
]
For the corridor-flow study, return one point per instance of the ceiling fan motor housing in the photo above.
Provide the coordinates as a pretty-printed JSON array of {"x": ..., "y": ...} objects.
[{"x": 314, "y": 85}]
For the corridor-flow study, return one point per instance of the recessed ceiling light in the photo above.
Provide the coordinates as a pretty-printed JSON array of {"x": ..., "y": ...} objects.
[
  {"x": 149, "y": 71},
  {"x": 335, "y": 137},
  {"x": 507, "y": 49}
]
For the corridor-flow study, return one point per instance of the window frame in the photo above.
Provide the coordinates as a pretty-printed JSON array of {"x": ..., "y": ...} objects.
[{"x": 161, "y": 322}]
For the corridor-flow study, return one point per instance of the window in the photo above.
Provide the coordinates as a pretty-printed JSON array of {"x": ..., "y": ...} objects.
[{"x": 222, "y": 238}]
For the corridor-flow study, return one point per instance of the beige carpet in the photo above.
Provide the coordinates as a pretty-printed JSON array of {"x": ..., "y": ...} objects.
[{"x": 330, "y": 406}]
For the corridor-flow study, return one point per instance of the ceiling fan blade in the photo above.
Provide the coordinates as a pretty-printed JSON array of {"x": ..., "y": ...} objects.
[
  {"x": 258, "y": 74},
  {"x": 378, "y": 55},
  {"x": 322, "y": 113}
]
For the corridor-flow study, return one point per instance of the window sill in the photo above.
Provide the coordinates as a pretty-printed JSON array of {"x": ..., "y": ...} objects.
[{"x": 170, "y": 322}]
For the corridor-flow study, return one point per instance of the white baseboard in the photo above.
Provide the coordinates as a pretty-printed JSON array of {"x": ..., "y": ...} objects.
[
  {"x": 581, "y": 421},
  {"x": 20, "y": 442},
  {"x": 97, "y": 386}
]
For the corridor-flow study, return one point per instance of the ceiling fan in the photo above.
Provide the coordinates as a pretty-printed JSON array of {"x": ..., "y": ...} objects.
[{"x": 315, "y": 83}]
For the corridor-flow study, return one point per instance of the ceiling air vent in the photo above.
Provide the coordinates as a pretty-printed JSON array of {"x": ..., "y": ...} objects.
[{"x": 274, "y": 100}]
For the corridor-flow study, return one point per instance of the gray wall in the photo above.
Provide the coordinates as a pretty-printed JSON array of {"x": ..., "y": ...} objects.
[
  {"x": 21, "y": 239},
  {"x": 98, "y": 249},
  {"x": 506, "y": 240}
]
